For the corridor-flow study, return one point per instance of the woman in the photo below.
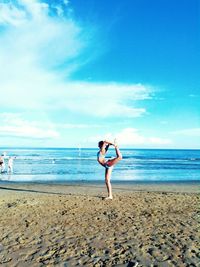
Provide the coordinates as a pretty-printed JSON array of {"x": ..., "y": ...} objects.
[{"x": 108, "y": 164}]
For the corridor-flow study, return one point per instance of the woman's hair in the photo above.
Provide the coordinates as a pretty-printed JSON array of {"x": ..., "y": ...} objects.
[{"x": 100, "y": 144}]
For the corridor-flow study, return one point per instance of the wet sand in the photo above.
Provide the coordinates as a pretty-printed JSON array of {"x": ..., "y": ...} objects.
[{"x": 68, "y": 225}]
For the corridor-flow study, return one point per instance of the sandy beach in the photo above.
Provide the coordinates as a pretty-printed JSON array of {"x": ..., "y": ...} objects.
[{"x": 71, "y": 225}]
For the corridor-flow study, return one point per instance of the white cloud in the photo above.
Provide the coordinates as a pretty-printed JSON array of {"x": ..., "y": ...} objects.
[
  {"x": 10, "y": 14},
  {"x": 159, "y": 141},
  {"x": 76, "y": 126},
  {"x": 39, "y": 42},
  {"x": 100, "y": 100},
  {"x": 22, "y": 11},
  {"x": 66, "y": 2},
  {"x": 131, "y": 137},
  {"x": 28, "y": 131},
  {"x": 36, "y": 9},
  {"x": 103, "y": 100},
  {"x": 13, "y": 125},
  {"x": 35, "y": 45},
  {"x": 193, "y": 132}
]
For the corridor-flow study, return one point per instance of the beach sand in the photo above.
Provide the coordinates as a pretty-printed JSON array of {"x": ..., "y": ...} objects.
[{"x": 70, "y": 225}]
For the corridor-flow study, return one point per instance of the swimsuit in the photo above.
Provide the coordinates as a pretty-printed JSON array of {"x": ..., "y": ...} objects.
[
  {"x": 101, "y": 156},
  {"x": 107, "y": 166}
]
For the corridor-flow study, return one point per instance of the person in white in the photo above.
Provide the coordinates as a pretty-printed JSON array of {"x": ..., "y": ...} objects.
[{"x": 10, "y": 164}]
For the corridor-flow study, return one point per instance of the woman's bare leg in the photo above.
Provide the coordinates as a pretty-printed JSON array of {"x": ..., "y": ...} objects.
[
  {"x": 108, "y": 173},
  {"x": 118, "y": 153},
  {"x": 112, "y": 162}
]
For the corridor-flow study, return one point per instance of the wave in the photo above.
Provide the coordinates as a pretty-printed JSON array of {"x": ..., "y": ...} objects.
[
  {"x": 71, "y": 164},
  {"x": 35, "y": 157}
]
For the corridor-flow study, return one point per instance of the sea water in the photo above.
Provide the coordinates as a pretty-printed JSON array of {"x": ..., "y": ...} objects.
[{"x": 75, "y": 164}]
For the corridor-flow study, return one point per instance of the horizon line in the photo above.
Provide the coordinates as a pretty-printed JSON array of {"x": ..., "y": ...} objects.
[{"x": 77, "y": 147}]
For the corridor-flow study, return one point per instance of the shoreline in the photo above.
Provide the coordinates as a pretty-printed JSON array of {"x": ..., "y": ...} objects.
[{"x": 118, "y": 186}]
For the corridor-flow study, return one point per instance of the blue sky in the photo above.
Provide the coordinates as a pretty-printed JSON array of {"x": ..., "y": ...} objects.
[{"x": 76, "y": 72}]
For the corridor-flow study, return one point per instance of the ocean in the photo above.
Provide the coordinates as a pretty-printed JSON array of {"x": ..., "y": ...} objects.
[{"x": 79, "y": 165}]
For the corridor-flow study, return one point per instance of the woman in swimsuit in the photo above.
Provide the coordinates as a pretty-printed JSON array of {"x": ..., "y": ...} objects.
[{"x": 108, "y": 164}]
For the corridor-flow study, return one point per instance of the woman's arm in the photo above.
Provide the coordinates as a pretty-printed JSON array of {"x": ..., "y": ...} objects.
[
  {"x": 104, "y": 147},
  {"x": 108, "y": 142}
]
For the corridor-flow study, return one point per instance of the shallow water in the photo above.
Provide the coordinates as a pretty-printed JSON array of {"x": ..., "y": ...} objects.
[{"x": 81, "y": 165}]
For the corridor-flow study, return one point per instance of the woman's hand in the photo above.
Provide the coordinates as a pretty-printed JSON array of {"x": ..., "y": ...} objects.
[{"x": 112, "y": 144}]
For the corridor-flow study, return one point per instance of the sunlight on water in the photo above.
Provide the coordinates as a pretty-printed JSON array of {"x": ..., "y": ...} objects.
[{"x": 39, "y": 165}]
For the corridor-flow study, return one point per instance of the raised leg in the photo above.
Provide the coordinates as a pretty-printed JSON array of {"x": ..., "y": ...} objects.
[{"x": 112, "y": 162}]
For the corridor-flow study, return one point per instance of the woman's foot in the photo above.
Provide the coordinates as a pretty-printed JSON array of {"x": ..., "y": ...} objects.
[
  {"x": 108, "y": 198},
  {"x": 115, "y": 143}
]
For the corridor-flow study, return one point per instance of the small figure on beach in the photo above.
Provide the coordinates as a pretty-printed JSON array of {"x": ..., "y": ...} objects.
[
  {"x": 2, "y": 163},
  {"x": 10, "y": 164},
  {"x": 108, "y": 163}
]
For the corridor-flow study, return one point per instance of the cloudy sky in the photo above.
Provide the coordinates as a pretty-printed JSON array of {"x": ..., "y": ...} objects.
[{"x": 76, "y": 72}]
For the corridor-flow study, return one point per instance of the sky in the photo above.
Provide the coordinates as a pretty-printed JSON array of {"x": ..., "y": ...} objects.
[{"x": 75, "y": 72}]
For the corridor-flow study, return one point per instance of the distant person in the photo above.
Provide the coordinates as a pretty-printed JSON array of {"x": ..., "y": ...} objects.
[
  {"x": 108, "y": 164},
  {"x": 2, "y": 163},
  {"x": 10, "y": 164}
]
